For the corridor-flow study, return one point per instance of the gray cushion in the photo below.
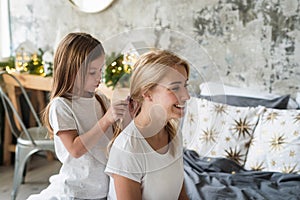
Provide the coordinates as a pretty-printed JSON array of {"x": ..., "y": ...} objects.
[{"x": 279, "y": 102}]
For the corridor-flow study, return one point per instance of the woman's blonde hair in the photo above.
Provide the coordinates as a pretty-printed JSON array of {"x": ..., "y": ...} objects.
[
  {"x": 148, "y": 71},
  {"x": 71, "y": 60}
]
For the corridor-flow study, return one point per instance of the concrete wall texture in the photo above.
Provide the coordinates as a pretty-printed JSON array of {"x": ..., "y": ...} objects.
[{"x": 250, "y": 44}]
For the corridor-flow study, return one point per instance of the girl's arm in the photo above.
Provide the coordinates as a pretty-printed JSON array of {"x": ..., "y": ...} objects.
[
  {"x": 127, "y": 189},
  {"x": 79, "y": 145}
]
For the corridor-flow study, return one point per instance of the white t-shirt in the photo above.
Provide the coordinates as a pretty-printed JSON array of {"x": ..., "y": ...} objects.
[
  {"x": 81, "y": 177},
  {"x": 160, "y": 175}
]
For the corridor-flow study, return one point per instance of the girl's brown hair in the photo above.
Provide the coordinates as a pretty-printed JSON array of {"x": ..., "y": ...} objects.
[
  {"x": 149, "y": 69},
  {"x": 72, "y": 57}
]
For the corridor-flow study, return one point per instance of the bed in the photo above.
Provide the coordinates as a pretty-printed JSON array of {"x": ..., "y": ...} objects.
[
  {"x": 240, "y": 152},
  {"x": 221, "y": 178}
]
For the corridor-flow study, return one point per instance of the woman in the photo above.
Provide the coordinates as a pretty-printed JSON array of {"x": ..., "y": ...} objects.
[{"x": 145, "y": 159}]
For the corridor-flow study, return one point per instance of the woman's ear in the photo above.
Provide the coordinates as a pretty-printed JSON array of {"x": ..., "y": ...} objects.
[{"x": 147, "y": 95}]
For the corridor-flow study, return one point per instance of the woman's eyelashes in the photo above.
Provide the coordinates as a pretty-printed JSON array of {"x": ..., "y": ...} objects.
[{"x": 176, "y": 88}]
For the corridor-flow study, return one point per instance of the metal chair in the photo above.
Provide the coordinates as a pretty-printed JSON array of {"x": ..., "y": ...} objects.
[{"x": 29, "y": 140}]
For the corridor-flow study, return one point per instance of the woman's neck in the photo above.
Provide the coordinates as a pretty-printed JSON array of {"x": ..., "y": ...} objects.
[
  {"x": 160, "y": 141},
  {"x": 154, "y": 132},
  {"x": 148, "y": 126}
]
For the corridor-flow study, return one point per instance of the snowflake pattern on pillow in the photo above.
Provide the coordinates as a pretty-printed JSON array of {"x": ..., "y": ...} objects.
[
  {"x": 219, "y": 130},
  {"x": 276, "y": 142}
]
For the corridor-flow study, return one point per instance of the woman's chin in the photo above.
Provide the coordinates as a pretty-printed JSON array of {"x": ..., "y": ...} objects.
[
  {"x": 177, "y": 116},
  {"x": 178, "y": 113}
]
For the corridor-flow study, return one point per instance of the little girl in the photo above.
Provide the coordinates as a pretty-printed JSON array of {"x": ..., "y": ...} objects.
[{"x": 80, "y": 120}]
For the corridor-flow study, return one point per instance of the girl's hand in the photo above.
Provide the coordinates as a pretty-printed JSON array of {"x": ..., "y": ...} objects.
[{"x": 117, "y": 111}]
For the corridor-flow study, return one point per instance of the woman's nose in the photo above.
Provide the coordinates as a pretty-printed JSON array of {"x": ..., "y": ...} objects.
[{"x": 185, "y": 95}]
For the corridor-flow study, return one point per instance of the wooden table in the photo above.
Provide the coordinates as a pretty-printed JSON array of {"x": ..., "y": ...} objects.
[{"x": 38, "y": 84}]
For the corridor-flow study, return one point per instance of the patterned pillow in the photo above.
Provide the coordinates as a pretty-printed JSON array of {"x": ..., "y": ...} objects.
[
  {"x": 219, "y": 130},
  {"x": 276, "y": 142}
]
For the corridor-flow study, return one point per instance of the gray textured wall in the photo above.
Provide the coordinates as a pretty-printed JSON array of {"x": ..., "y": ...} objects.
[{"x": 251, "y": 44}]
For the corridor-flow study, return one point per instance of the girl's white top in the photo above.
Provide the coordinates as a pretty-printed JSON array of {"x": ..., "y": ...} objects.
[{"x": 81, "y": 177}]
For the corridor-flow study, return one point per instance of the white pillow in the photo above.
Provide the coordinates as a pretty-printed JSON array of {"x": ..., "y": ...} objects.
[
  {"x": 213, "y": 88},
  {"x": 276, "y": 142},
  {"x": 219, "y": 130}
]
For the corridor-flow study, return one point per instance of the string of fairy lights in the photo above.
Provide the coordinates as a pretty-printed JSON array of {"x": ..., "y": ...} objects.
[
  {"x": 24, "y": 62},
  {"x": 117, "y": 71}
]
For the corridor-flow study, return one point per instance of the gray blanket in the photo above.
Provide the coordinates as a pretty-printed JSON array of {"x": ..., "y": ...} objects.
[{"x": 220, "y": 178}]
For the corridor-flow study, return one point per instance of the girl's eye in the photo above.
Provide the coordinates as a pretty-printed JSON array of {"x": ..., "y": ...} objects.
[{"x": 95, "y": 71}]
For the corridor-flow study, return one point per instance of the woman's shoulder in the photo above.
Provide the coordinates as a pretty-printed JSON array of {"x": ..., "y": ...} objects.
[{"x": 129, "y": 139}]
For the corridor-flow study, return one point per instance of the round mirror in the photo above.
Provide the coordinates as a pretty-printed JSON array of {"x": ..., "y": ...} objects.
[{"x": 91, "y": 6}]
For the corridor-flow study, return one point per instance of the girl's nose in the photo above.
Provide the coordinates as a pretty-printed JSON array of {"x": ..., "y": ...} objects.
[{"x": 99, "y": 76}]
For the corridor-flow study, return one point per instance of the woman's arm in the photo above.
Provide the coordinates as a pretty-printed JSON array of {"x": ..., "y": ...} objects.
[
  {"x": 127, "y": 189},
  {"x": 183, "y": 195}
]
